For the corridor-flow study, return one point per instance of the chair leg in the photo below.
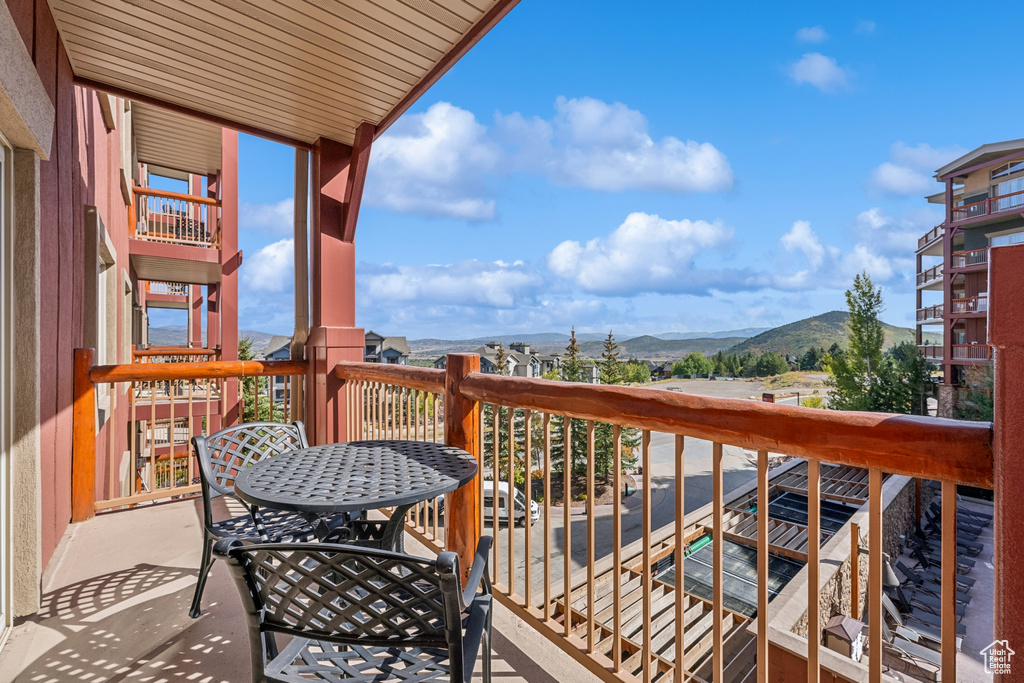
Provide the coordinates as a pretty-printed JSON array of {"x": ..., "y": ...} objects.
[
  {"x": 204, "y": 571},
  {"x": 487, "y": 647}
]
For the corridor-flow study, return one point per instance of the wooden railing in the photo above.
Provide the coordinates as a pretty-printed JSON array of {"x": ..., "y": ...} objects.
[
  {"x": 972, "y": 352},
  {"x": 169, "y": 288},
  {"x": 931, "y": 351},
  {"x": 930, "y": 236},
  {"x": 574, "y": 581},
  {"x": 1012, "y": 201},
  {"x": 161, "y": 406},
  {"x": 172, "y": 217},
  {"x": 973, "y": 257},
  {"x": 930, "y": 275},
  {"x": 174, "y": 354},
  {"x": 970, "y": 304},
  {"x": 929, "y": 313}
]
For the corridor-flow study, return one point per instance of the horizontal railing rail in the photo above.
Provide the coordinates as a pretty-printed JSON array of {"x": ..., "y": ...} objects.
[
  {"x": 972, "y": 352},
  {"x": 168, "y": 288},
  {"x": 932, "y": 351},
  {"x": 972, "y": 257},
  {"x": 930, "y": 275},
  {"x": 159, "y": 407},
  {"x": 595, "y": 583},
  {"x": 930, "y": 313},
  {"x": 174, "y": 354},
  {"x": 172, "y": 217},
  {"x": 1011, "y": 201},
  {"x": 930, "y": 236}
]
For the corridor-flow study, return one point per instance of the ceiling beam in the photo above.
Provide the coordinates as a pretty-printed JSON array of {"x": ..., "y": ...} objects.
[
  {"x": 472, "y": 37},
  {"x": 221, "y": 121}
]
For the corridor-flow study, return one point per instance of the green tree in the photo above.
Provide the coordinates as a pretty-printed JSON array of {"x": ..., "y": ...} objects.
[
  {"x": 977, "y": 404},
  {"x": 770, "y": 364},
  {"x": 255, "y": 392},
  {"x": 636, "y": 372},
  {"x": 501, "y": 361},
  {"x": 573, "y": 371},
  {"x": 811, "y": 360},
  {"x": 719, "y": 363},
  {"x": 572, "y": 364},
  {"x": 610, "y": 365},
  {"x": 695, "y": 363}
]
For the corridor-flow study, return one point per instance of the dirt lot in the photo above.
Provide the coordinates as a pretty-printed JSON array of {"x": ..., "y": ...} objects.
[{"x": 806, "y": 384}]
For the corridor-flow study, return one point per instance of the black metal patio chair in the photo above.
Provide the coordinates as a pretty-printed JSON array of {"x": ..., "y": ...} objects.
[
  {"x": 361, "y": 615},
  {"x": 221, "y": 457}
]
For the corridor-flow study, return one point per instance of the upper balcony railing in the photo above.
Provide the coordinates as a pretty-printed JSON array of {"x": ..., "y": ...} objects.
[
  {"x": 931, "y": 275},
  {"x": 169, "y": 288},
  {"x": 930, "y": 236},
  {"x": 929, "y": 313},
  {"x": 973, "y": 257},
  {"x": 601, "y": 590},
  {"x": 174, "y": 354},
  {"x": 1013, "y": 201},
  {"x": 970, "y": 304},
  {"x": 972, "y": 352},
  {"x": 931, "y": 351},
  {"x": 171, "y": 217}
]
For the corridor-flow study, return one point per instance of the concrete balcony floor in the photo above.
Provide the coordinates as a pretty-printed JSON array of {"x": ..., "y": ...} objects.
[{"x": 115, "y": 601}]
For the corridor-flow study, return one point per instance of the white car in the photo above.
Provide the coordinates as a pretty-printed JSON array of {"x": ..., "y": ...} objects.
[{"x": 519, "y": 511}]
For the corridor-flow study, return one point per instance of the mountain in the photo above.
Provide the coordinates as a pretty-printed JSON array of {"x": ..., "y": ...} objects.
[
  {"x": 821, "y": 330},
  {"x": 176, "y": 335},
  {"x": 655, "y": 348},
  {"x": 745, "y": 333}
]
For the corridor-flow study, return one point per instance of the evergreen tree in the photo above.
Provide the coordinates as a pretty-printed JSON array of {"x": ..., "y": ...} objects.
[
  {"x": 770, "y": 364},
  {"x": 695, "y": 363},
  {"x": 255, "y": 392},
  {"x": 610, "y": 365},
  {"x": 977, "y": 403},
  {"x": 501, "y": 361},
  {"x": 572, "y": 364},
  {"x": 719, "y": 361},
  {"x": 573, "y": 371}
]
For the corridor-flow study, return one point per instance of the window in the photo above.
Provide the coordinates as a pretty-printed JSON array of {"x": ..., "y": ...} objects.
[
  {"x": 1008, "y": 169},
  {"x": 1008, "y": 195},
  {"x": 1007, "y": 240}
]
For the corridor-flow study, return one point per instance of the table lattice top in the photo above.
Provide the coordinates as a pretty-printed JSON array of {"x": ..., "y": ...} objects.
[{"x": 359, "y": 475}]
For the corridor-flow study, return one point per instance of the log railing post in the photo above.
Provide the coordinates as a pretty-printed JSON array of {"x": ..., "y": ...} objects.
[
  {"x": 462, "y": 430},
  {"x": 83, "y": 449}
]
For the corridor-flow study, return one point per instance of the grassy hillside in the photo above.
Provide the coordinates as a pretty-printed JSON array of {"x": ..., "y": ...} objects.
[
  {"x": 653, "y": 348},
  {"x": 821, "y": 330},
  {"x": 176, "y": 335}
]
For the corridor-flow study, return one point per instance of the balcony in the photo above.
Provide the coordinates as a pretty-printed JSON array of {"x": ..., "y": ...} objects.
[
  {"x": 930, "y": 315},
  {"x": 167, "y": 295},
  {"x": 970, "y": 259},
  {"x": 599, "y": 582},
  {"x": 991, "y": 207},
  {"x": 931, "y": 278},
  {"x": 930, "y": 239},
  {"x": 969, "y": 305},
  {"x": 174, "y": 237},
  {"x": 974, "y": 352},
  {"x": 931, "y": 351}
]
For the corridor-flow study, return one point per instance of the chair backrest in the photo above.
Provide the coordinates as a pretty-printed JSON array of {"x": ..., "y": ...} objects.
[
  {"x": 351, "y": 596},
  {"x": 224, "y": 454}
]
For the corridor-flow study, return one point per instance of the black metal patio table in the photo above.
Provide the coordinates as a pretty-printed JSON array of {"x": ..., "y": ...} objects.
[{"x": 323, "y": 481}]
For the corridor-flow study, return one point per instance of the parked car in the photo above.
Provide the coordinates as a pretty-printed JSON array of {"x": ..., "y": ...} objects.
[{"x": 520, "y": 506}]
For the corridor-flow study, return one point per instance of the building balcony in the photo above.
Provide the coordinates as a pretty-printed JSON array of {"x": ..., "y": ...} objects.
[
  {"x": 970, "y": 259},
  {"x": 969, "y": 305},
  {"x": 989, "y": 210},
  {"x": 931, "y": 351},
  {"x": 930, "y": 315},
  {"x": 931, "y": 242},
  {"x": 167, "y": 295},
  {"x": 175, "y": 237},
  {"x": 931, "y": 278},
  {"x": 972, "y": 352}
]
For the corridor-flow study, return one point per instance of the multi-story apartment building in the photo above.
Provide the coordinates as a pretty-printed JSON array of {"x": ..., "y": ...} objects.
[{"x": 984, "y": 206}]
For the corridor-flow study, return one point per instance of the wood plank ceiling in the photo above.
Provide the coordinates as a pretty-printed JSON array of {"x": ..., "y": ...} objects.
[
  {"x": 295, "y": 69},
  {"x": 168, "y": 140}
]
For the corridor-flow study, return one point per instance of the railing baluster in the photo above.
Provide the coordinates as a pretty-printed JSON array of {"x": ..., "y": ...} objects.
[
  {"x": 762, "y": 562},
  {"x": 875, "y": 575},
  {"x": 591, "y": 537},
  {"x": 645, "y": 456},
  {"x": 152, "y": 437},
  {"x": 813, "y": 586},
  {"x": 680, "y": 533},
  {"x": 528, "y": 492},
  {"x": 948, "y": 585},
  {"x": 510, "y": 502},
  {"x": 716, "y": 563},
  {"x": 567, "y": 523},
  {"x": 495, "y": 478},
  {"x": 547, "y": 515},
  {"x": 617, "y": 549}
]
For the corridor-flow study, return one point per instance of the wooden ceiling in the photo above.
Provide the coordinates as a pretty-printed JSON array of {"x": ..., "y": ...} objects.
[
  {"x": 290, "y": 70},
  {"x": 169, "y": 140}
]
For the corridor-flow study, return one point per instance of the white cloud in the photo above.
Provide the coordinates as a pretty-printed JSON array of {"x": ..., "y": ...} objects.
[
  {"x": 820, "y": 71},
  {"x": 274, "y": 219},
  {"x": 647, "y": 253},
  {"x": 271, "y": 269},
  {"x": 892, "y": 236},
  {"x": 467, "y": 283},
  {"x": 433, "y": 163},
  {"x": 601, "y": 146},
  {"x": 909, "y": 169},
  {"x": 864, "y": 27},
  {"x": 812, "y": 34}
]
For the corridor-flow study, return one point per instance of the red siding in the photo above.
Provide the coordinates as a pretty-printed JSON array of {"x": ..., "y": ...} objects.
[{"x": 83, "y": 169}]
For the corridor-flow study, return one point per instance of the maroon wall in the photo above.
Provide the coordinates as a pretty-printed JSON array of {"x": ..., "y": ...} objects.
[{"x": 83, "y": 169}]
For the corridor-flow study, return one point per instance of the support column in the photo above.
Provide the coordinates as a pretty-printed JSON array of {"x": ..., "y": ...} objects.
[
  {"x": 301, "y": 255},
  {"x": 231, "y": 261},
  {"x": 338, "y": 175},
  {"x": 1006, "y": 320},
  {"x": 195, "y": 317}
]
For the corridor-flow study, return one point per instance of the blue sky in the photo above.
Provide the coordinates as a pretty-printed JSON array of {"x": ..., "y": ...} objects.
[{"x": 652, "y": 167}]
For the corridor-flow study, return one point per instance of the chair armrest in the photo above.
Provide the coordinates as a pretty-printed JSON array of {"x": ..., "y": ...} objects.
[
  {"x": 478, "y": 572},
  {"x": 224, "y": 546}
]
